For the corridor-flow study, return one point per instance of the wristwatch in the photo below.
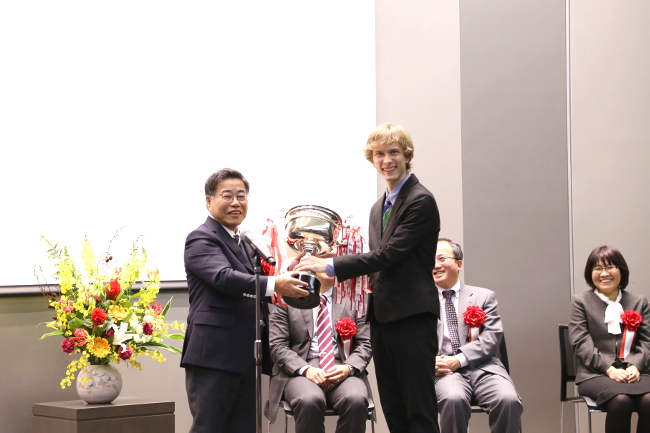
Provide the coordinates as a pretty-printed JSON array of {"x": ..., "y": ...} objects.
[{"x": 353, "y": 371}]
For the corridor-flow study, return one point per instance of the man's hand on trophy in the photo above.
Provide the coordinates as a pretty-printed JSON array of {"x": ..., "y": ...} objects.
[
  {"x": 311, "y": 263},
  {"x": 287, "y": 285},
  {"x": 294, "y": 261}
]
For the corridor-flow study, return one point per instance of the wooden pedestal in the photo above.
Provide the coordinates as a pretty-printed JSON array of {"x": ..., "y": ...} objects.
[{"x": 124, "y": 415}]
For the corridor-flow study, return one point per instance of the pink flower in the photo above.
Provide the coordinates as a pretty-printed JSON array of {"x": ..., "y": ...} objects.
[
  {"x": 147, "y": 328},
  {"x": 66, "y": 306},
  {"x": 67, "y": 345},
  {"x": 124, "y": 352}
]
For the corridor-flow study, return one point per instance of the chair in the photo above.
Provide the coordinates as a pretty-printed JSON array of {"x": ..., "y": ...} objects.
[
  {"x": 503, "y": 356},
  {"x": 569, "y": 367},
  {"x": 288, "y": 412}
]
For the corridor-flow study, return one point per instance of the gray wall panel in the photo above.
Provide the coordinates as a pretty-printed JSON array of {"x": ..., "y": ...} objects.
[{"x": 515, "y": 187}]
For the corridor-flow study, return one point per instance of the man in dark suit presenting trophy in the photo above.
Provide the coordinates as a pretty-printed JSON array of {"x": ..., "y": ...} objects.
[
  {"x": 403, "y": 308},
  {"x": 218, "y": 354}
]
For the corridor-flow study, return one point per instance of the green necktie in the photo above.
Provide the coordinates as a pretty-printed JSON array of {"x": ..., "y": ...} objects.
[{"x": 388, "y": 207}]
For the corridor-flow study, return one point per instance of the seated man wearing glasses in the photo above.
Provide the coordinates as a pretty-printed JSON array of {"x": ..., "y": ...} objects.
[
  {"x": 314, "y": 370},
  {"x": 467, "y": 367}
]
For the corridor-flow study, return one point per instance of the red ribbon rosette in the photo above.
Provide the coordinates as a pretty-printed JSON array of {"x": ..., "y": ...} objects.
[
  {"x": 632, "y": 321},
  {"x": 267, "y": 269},
  {"x": 474, "y": 316},
  {"x": 347, "y": 329}
]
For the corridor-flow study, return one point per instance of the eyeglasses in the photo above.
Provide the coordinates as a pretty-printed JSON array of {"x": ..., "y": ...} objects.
[
  {"x": 228, "y": 198},
  {"x": 600, "y": 269},
  {"x": 443, "y": 259}
]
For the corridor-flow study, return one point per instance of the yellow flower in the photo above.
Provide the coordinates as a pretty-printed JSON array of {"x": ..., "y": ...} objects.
[
  {"x": 99, "y": 347},
  {"x": 117, "y": 312},
  {"x": 88, "y": 255}
]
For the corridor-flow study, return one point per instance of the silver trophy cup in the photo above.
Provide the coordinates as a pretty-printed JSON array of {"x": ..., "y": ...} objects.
[{"x": 314, "y": 230}]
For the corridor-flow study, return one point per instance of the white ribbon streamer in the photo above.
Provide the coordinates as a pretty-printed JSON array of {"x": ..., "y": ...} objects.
[
  {"x": 347, "y": 348},
  {"x": 473, "y": 333},
  {"x": 629, "y": 340}
]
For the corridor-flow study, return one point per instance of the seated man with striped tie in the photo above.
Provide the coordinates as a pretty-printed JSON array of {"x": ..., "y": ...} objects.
[
  {"x": 467, "y": 368},
  {"x": 312, "y": 370}
]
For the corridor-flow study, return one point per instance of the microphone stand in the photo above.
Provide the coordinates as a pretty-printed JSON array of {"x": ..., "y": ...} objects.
[{"x": 258, "y": 341}]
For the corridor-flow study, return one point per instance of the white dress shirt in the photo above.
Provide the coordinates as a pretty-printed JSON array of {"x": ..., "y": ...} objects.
[
  {"x": 445, "y": 347},
  {"x": 314, "y": 349}
]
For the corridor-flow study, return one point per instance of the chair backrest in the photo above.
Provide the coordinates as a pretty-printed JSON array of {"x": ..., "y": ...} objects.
[{"x": 568, "y": 360}]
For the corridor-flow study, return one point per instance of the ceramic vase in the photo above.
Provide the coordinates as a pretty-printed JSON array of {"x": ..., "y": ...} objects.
[{"x": 99, "y": 384}]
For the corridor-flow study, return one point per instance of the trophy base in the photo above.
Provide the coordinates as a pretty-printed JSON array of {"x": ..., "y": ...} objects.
[{"x": 310, "y": 301}]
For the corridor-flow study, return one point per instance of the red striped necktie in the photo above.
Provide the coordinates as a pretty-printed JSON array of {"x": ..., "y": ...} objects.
[{"x": 324, "y": 331}]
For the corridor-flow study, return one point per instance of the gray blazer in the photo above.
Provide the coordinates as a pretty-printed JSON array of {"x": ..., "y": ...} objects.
[
  {"x": 481, "y": 353},
  {"x": 290, "y": 335},
  {"x": 595, "y": 348}
]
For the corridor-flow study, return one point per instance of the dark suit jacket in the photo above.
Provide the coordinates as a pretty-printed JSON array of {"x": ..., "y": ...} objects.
[
  {"x": 595, "y": 348},
  {"x": 401, "y": 260},
  {"x": 291, "y": 334},
  {"x": 221, "y": 321},
  {"x": 481, "y": 353}
]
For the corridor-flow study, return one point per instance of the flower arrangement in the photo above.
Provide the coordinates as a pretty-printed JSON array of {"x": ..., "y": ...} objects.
[{"x": 101, "y": 316}]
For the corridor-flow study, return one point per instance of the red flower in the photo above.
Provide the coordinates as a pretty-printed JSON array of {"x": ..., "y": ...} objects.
[
  {"x": 81, "y": 336},
  {"x": 267, "y": 269},
  {"x": 98, "y": 316},
  {"x": 67, "y": 345},
  {"x": 631, "y": 319},
  {"x": 108, "y": 333},
  {"x": 346, "y": 328},
  {"x": 124, "y": 352},
  {"x": 156, "y": 307},
  {"x": 113, "y": 289},
  {"x": 147, "y": 328},
  {"x": 474, "y": 316}
]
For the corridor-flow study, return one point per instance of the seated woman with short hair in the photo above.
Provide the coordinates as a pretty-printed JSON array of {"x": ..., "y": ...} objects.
[{"x": 612, "y": 347}]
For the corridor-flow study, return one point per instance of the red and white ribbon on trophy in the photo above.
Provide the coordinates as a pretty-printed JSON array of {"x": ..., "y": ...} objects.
[
  {"x": 632, "y": 320},
  {"x": 272, "y": 239},
  {"x": 351, "y": 242},
  {"x": 354, "y": 289},
  {"x": 474, "y": 316},
  {"x": 347, "y": 329}
]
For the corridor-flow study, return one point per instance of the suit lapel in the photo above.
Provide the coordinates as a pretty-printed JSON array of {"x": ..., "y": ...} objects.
[
  {"x": 338, "y": 312},
  {"x": 465, "y": 299},
  {"x": 397, "y": 206},
  {"x": 375, "y": 229},
  {"x": 308, "y": 315},
  {"x": 230, "y": 243}
]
